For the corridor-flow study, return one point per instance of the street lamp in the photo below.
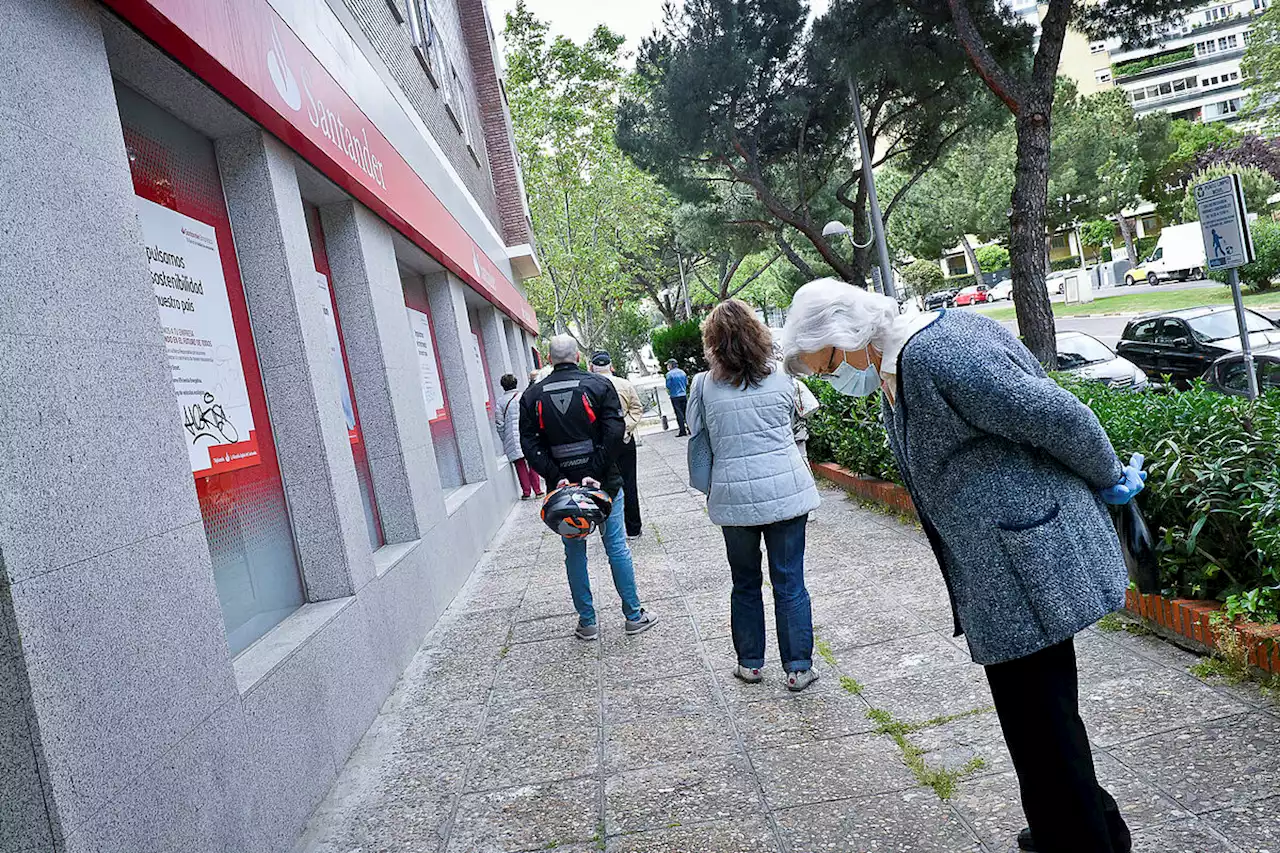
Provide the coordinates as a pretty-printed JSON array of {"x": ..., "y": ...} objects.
[{"x": 836, "y": 228}]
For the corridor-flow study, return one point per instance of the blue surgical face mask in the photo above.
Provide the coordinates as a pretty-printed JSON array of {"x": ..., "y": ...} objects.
[{"x": 852, "y": 382}]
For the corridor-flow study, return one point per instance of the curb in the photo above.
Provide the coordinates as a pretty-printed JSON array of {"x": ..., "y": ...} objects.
[{"x": 1186, "y": 622}]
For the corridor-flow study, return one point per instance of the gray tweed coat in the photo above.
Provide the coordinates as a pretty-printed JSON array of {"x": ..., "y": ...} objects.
[{"x": 1004, "y": 467}]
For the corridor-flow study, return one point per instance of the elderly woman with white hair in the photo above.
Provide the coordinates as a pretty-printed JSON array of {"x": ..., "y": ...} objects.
[{"x": 1010, "y": 475}]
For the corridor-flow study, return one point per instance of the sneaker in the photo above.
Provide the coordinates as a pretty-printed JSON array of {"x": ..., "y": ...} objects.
[
  {"x": 641, "y": 623},
  {"x": 525, "y": 497},
  {"x": 587, "y": 632},
  {"x": 632, "y": 536},
  {"x": 1025, "y": 842},
  {"x": 751, "y": 675},
  {"x": 797, "y": 681}
]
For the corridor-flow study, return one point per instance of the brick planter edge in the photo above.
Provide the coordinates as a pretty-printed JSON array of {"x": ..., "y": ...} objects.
[{"x": 1186, "y": 622}]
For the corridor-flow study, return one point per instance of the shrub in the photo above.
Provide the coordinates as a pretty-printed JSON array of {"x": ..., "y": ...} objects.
[
  {"x": 960, "y": 282},
  {"x": 992, "y": 258},
  {"x": 683, "y": 342},
  {"x": 923, "y": 278},
  {"x": 1258, "y": 187},
  {"x": 1213, "y": 493},
  {"x": 1144, "y": 246},
  {"x": 1071, "y": 263},
  {"x": 1266, "y": 243}
]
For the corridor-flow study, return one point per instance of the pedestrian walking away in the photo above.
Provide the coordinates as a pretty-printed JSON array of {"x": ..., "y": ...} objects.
[
  {"x": 806, "y": 405},
  {"x": 632, "y": 412},
  {"x": 1010, "y": 475},
  {"x": 507, "y": 420},
  {"x": 678, "y": 391},
  {"x": 571, "y": 432},
  {"x": 760, "y": 488}
]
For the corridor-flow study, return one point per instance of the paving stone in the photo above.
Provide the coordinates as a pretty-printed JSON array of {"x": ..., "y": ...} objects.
[
  {"x": 546, "y": 675},
  {"x": 895, "y": 658},
  {"x": 786, "y": 720},
  {"x": 538, "y": 739},
  {"x": 667, "y": 739},
  {"x": 1147, "y": 702},
  {"x": 1190, "y": 836},
  {"x": 1230, "y": 762},
  {"x": 1254, "y": 827},
  {"x": 1142, "y": 803},
  {"x": 529, "y": 817},
  {"x": 856, "y": 766},
  {"x": 992, "y": 807},
  {"x": 926, "y": 696},
  {"x": 902, "y": 822},
  {"x": 421, "y": 728},
  {"x": 851, "y": 629},
  {"x": 746, "y": 835},
  {"x": 712, "y": 789}
]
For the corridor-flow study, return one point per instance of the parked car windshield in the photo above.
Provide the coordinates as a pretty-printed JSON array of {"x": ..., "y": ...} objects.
[
  {"x": 1079, "y": 350},
  {"x": 1215, "y": 327}
]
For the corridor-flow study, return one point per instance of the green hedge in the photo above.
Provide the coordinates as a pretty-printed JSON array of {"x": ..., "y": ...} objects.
[
  {"x": 1213, "y": 496},
  {"x": 1071, "y": 263},
  {"x": 683, "y": 342},
  {"x": 960, "y": 282},
  {"x": 1126, "y": 69}
]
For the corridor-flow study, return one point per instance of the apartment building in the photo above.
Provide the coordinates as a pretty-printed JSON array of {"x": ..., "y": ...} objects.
[{"x": 261, "y": 268}]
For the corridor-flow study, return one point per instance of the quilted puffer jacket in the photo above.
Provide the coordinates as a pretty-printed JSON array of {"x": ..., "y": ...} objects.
[{"x": 757, "y": 476}]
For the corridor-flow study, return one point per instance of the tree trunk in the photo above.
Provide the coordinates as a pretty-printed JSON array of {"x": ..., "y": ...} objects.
[
  {"x": 1126, "y": 231},
  {"x": 1027, "y": 224},
  {"x": 973, "y": 258},
  {"x": 862, "y": 261},
  {"x": 644, "y": 368}
]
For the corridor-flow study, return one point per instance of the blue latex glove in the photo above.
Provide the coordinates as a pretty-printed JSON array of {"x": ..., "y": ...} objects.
[{"x": 1131, "y": 483}]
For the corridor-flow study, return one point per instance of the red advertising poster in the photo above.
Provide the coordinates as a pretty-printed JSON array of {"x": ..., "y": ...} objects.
[{"x": 244, "y": 50}]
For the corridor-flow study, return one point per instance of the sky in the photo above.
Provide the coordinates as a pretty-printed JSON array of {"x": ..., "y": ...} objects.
[{"x": 576, "y": 19}]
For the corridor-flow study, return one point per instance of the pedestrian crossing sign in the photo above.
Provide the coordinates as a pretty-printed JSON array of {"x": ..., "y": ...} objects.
[{"x": 1224, "y": 223}]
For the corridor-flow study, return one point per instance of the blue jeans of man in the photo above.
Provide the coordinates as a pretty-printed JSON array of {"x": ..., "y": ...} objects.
[
  {"x": 614, "y": 533},
  {"x": 784, "y": 540}
]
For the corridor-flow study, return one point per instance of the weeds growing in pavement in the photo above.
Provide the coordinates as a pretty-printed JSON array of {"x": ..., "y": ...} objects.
[
  {"x": 851, "y": 685},
  {"x": 1230, "y": 660},
  {"x": 1114, "y": 622},
  {"x": 824, "y": 651},
  {"x": 942, "y": 780}
]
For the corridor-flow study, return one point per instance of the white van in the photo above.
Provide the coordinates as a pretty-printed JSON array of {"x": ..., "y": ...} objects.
[{"x": 1179, "y": 253}]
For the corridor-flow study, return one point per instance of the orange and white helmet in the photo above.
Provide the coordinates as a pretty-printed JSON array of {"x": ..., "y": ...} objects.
[{"x": 576, "y": 511}]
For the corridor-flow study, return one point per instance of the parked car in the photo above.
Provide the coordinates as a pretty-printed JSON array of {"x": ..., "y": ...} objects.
[
  {"x": 1001, "y": 290},
  {"x": 1055, "y": 281},
  {"x": 1089, "y": 358},
  {"x": 941, "y": 299},
  {"x": 1228, "y": 375},
  {"x": 1179, "y": 254},
  {"x": 1183, "y": 344},
  {"x": 973, "y": 295}
]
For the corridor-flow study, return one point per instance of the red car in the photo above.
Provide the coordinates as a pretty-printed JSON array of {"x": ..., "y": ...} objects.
[{"x": 975, "y": 295}]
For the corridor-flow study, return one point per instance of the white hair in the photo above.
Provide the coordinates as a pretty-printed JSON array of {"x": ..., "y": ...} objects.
[
  {"x": 563, "y": 349},
  {"x": 830, "y": 313}
]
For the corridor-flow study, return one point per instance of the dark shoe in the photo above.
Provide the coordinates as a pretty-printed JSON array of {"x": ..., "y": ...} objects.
[{"x": 1025, "y": 842}]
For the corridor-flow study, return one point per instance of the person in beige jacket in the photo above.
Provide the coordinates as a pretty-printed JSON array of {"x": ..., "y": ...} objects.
[{"x": 632, "y": 412}]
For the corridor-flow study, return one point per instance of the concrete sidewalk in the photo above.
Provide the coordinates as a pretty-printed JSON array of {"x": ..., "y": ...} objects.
[{"x": 506, "y": 734}]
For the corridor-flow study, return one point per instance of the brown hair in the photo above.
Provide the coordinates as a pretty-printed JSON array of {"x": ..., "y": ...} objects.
[{"x": 738, "y": 347}]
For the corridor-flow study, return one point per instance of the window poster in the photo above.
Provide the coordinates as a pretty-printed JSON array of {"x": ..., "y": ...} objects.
[
  {"x": 432, "y": 390},
  {"x": 335, "y": 357},
  {"x": 200, "y": 340}
]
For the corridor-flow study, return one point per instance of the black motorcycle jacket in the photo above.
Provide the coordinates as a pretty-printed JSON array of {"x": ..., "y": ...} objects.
[{"x": 571, "y": 427}]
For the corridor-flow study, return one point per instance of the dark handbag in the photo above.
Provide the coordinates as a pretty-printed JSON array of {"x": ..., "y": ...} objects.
[
  {"x": 699, "y": 455},
  {"x": 1139, "y": 548}
]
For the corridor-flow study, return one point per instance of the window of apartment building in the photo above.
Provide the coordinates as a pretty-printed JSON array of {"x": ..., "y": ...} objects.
[
  {"x": 1058, "y": 241},
  {"x": 1260, "y": 5},
  {"x": 1097, "y": 47},
  {"x": 455, "y": 102},
  {"x": 342, "y": 372},
  {"x": 1217, "y": 13},
  {"x": 1223, "y": 43},
  {"x": 444, "y": 438},
  {"x": 397, "y": 10},
  {"x": 1102, "y": 75},
  {"x": 220, "y": 406},
  {"x": 957, "y": 265},
  {"x": 423, "y": 35}
]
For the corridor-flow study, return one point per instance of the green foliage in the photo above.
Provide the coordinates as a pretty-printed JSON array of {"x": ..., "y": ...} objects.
[
  {"x": 1125, "y": 69},
  {"x": 1213, "y": 494},
  {"x": 992, "y": 257},
  {"x": 924, "y": 277},
  {"x": 1166, "y": 183},
  {"x": 1258, "y": 187},
  {"x": 960, "y": 282},
  {"x": 1260, "y": 69},
  {"x": 1260, "y": 275},
  {"x": 1068, "y": 263},
  {"x": 683, "y": 342},
  {"x": 1144, "y": 246},
  {"x": 1097, "y": 235}
]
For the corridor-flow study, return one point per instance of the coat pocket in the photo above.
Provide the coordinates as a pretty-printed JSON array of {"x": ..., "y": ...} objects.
[{"x": 1058, "y": 586}]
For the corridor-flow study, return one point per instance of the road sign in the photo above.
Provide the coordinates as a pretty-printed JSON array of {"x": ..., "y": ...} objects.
[{"x": 1224, "y": 223}]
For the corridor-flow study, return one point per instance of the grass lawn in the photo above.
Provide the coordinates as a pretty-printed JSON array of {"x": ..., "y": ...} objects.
[{"x": 1142, "y": 303}]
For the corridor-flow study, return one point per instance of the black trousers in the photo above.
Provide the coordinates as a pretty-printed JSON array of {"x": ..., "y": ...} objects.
[
  {"x": 631, "y": 497},
  {"x": 1037, "y": 700},
  {"x": 680, "y": 404}
]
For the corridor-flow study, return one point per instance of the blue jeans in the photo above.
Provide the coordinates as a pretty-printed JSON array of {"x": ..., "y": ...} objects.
[
  {"x": 614, "y": 533},
  {"x": 784, "y": 540}
]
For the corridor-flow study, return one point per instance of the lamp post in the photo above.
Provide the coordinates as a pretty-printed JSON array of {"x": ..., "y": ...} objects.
[{"x": 835, "y": 228}]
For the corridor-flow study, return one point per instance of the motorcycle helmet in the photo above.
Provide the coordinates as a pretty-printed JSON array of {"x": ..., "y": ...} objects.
[{"x": 576, "y": 511}]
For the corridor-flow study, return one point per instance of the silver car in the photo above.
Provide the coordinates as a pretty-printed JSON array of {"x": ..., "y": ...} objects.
[{"x": 1089, "y": 358}]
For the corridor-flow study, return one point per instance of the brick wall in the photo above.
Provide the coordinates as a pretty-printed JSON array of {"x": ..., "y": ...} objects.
[
  {"x": 498, "y": 134},
  {"x": 391, "y": 39}
]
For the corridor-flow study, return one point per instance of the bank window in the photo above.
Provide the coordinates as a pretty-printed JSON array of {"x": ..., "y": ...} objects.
[
  {"x": 477, "y": 342},
  {"x": 444, "y": 438},
  {"x": 220, "y": 409},
  {"x": 342, "y": 372}
]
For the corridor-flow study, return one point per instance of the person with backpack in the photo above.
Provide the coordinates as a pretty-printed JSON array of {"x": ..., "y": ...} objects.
[
  {"x": 507, "y": 421},
  {"x": 571, "y": 432}
]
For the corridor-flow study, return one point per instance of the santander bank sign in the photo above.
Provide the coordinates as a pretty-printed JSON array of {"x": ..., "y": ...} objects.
[{"x": 354, "y": 145}]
